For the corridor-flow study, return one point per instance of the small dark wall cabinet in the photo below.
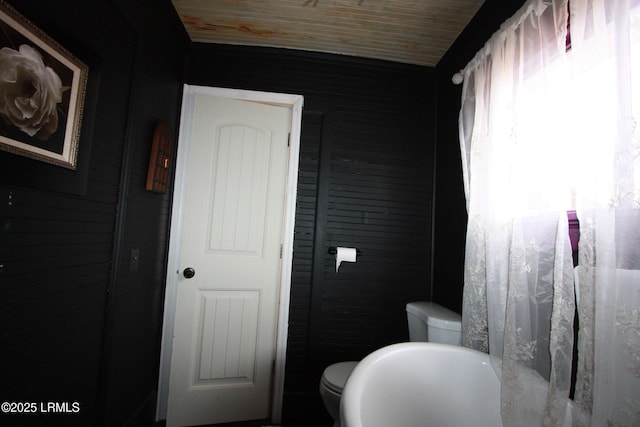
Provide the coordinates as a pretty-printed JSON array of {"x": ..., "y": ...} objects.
[{"x": 160, "y": 161}]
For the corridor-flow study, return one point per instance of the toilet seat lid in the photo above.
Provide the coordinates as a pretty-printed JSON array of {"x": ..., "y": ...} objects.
[{"x": 335, "y": 376}]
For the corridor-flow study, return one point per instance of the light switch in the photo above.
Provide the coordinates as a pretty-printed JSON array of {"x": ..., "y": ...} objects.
[{"x": 134, "y": 260}]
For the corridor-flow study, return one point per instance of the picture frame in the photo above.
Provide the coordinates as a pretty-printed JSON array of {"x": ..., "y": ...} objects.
[{"x": 42, "y": 93}]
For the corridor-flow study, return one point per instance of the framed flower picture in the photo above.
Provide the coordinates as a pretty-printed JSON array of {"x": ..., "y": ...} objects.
[{"x": 42, "y": 90}]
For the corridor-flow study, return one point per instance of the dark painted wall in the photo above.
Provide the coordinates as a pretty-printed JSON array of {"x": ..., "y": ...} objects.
[
  {"x": 450, "y": 217},
  {"x": 75, "y": 323},
  {"x": 365, "y": 181}
]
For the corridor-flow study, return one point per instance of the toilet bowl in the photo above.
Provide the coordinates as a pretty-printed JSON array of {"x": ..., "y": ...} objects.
[
  {"x": 333, "y": 380},
  {"x": 427, "y": 321}
]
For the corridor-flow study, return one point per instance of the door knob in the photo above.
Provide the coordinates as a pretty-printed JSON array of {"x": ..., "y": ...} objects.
[{"x": 189, "y": 272}]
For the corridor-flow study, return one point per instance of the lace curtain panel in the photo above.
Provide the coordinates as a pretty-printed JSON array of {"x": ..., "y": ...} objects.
[
  {"x": 606, "y": 59},
  {"x": 545, "y": 128}
]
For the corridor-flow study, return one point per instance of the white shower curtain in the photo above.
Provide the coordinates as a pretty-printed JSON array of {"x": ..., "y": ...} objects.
[
  {"x": 605, "y": 111},
  {"x": 546, "y": 128}
]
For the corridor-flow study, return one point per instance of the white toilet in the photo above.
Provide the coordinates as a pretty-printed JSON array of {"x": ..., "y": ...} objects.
[{"x": 427, "y": 322}]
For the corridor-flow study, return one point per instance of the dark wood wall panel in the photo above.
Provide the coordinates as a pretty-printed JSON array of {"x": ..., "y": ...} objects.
[
  {"x": 379, "y": 200},
  {"x": 302, "y": 269},
  {"x": 137, "y": 295},
  {"x": 366, "y": 176},
  {"x": 54, "y": 320},
  {"x": 136, "y": 306},
  {"x": 62, "y": 233}
]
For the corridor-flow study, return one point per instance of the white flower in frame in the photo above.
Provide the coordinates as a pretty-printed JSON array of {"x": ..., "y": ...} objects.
[{"x": 29, "y": 92}]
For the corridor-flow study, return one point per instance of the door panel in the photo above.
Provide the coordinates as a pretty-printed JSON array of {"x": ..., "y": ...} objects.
[
  {"x": 240, "y": 191},
  {"x": 227, "y": 331},
  {"x": 225, "y": 327}
]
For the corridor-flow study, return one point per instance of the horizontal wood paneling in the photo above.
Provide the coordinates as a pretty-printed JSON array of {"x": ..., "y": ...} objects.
[
  {"x": 302, "y": 273},
  {"x": 379, "y": 202},
  {"x": 136, "y": 300},
  {"x": 57, "y": 247},
  {"x": 57, "y": 239}
]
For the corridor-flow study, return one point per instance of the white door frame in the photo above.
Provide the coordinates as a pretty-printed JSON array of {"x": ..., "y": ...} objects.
[{"x": 294, "y": 102}]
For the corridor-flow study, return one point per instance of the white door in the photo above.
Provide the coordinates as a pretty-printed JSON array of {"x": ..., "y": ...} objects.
[{"x": 226, "y": 314}]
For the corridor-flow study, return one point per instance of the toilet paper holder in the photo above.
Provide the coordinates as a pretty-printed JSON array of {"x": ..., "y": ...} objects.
[{"x": 333, "y": 250}]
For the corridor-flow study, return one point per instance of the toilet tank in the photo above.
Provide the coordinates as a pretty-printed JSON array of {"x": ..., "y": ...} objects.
[{"x": 433, "y": 323}]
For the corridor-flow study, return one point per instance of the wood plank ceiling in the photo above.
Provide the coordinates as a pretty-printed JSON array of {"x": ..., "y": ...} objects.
[{"x": 412, "y": 32}]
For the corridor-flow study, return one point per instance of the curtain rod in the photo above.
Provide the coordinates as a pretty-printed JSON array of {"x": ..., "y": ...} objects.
[{"x": 537, "y": 6}]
